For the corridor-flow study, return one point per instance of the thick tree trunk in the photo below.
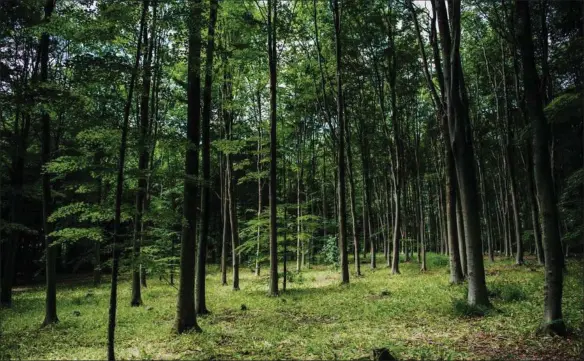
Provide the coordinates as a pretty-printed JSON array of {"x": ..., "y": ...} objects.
[
  {"x": 553, "y": 319},
  {"x": 461, "y": 143},
  {"x": 186, "y": 318}
]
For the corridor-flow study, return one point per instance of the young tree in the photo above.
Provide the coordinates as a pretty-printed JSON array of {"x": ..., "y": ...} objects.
[{"x": 119, "y": 192}]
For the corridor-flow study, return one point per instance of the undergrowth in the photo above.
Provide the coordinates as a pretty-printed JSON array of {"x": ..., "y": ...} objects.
[{"x": 412, "y": 314}]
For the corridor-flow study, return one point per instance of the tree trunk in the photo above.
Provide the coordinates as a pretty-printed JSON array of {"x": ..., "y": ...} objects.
[
  {"x": 9, "y": 247},
  {"x": 486, "y": 210},
  {"x": 233, "y": 221},
  {"x": 186, "y": 318},
  {"x": 510, "y": 163},
  {"x": 142, "y": 166},
  {"x": 353, "y": 206},
  {"x": 51, "y": 251},
  {"x": 259, "y": 169},
  {"x": 460, "y": 233},
  {"x": 341, "y": 150},
  {"x": 200, "y": 304},
  {"x": 553, "y": 319},
  {"x": 272, "y": 12},
  {"x": 461, "y": 143},
  {"x": 226, "y": 227},
  {"x": 119, "y": 192}
]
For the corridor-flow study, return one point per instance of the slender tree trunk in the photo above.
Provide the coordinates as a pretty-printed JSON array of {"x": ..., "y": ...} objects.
[
  {"x": 186, "y": 317},
  {"x": 510, "y": 162},
  {"x": 259, "y": 169},
  {"x": 200, "y": 304},
  {"x": 233, "y": 222},
  {"x": 97, "y": 245},
  {"x": 341, "y": 150},
  {"x": 50, "y": 251},
  {"x": 272, "y": 12},
  {"x": 353, "y": 206},
  {"x": 486, "y": 214},
  {"x": 119, "y": 192},
  {"x": 553, "y": 319},
  {"x": 142, "y": 166},
  {"x": 226, "y": 227},
  {"x": 461, "y": 240}
]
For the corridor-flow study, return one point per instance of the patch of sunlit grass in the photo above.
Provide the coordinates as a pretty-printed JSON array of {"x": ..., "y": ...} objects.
[{"x": 316, "y": 318}]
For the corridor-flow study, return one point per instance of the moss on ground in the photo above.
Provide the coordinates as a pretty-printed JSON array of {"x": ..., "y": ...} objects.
[{"x": 413, "y": 314}]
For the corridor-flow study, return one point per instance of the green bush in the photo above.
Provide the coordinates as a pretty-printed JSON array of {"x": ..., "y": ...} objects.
[
  {"x": 507, "y": 292},
  {"x": 330, "y": 252},
  {"x": 436, "y": 260}
]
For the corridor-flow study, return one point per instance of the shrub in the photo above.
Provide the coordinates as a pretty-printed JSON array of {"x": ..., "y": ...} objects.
[
  {"x": 507, "y": 293},
  {"x": 330, "y": 252},
  {"x": 437, "y": 260}
]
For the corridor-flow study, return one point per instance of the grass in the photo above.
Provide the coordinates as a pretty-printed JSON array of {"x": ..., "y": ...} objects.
[{"x": 412, "y": 314}]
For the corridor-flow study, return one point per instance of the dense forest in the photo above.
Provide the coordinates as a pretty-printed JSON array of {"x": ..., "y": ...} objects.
[{"x": 340, "y": 163}]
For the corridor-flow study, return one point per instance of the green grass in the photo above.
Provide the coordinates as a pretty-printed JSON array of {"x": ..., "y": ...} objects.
[{"x": 412, "y": 314}]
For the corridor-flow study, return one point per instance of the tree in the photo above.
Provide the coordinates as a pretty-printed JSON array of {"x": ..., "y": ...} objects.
[
  {"x": 462, "y": 148},
  {"x": 50, "y": 251},
  {"x": 272, "y": 55},
  {"x": 552, "y": 321},
  {"x": 341, "y": 150},
  {"x": 119, "y": 192},
  {"x": 186, "y": 318},
  {"x": 143, "y": 160},
  {"x": 200, "y": 305}
]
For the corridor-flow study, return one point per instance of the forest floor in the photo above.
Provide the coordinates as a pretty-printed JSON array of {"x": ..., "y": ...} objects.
[{"x": 415, "y": 315}]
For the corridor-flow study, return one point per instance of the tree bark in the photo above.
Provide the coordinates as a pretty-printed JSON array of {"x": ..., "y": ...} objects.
[
  {"x": 552, "y": 246},
  {"x": 461, "y": 239},
  {"x": 341, "y": 150},
  {"x": 51, "y": 251},
  {"x": 186, "y": 318},
  {"x": 461, "y": 143},
  {"x": 119, "y": 191},
  {"x": 200, "y": 294},
  {"x": 259, "y": 169},
  {"x": 353, "y": 205},
  {"x": 142, "y": 166},
  {"x": 272, "y": 54}
]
